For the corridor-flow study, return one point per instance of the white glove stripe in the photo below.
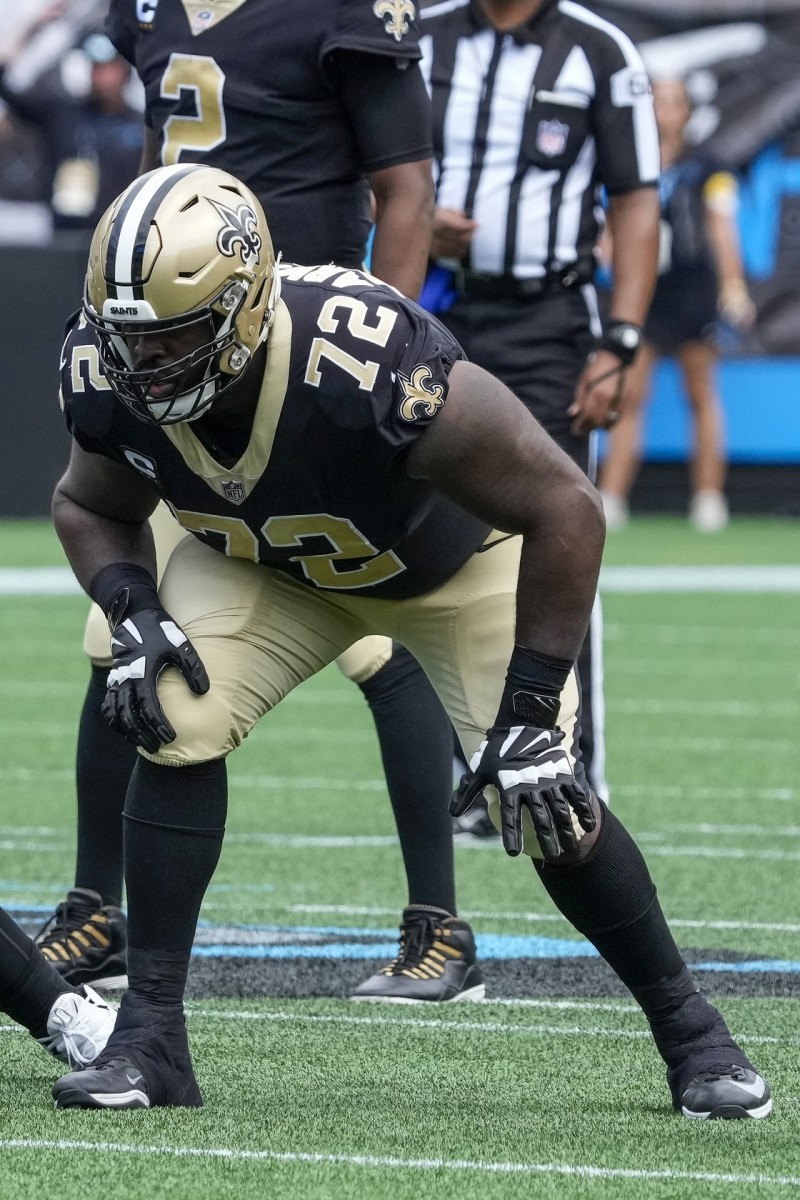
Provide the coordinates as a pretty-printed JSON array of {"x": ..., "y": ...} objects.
[
  {"x": 132, "y": 630},
  {"x": 537, "y": 773},
  {"x": 514, "y": 732},
  {"x": 134, "y": 670},
  {"x": 475, "y": 761},
  {"x": 172, "y": 633}
]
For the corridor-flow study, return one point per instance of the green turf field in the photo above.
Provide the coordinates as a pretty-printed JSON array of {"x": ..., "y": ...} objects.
[{"x": 561, "y": 1096}]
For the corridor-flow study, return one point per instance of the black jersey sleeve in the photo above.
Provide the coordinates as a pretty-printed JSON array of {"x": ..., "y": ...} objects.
[
  {"x": 383, "y": 364},
  {"x": 373, "y": 91},
  {"x": 387, "y": 27},
  {"x": 408, "y": 397},
  {"x": 419, "y": 381},
  {"x": 122, "y": 27},
  {"x": 85, "y": 396}
]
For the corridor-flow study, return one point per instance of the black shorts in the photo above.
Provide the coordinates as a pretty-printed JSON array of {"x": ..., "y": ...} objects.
[
  {"x": 537, "y": 347},
  {"x": 684, "y": 308}
]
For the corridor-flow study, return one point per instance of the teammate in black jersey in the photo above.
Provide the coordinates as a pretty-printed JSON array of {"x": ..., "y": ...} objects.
[
  {"x": 342, "y": 471},
  {"x": 313, "y": 104}
]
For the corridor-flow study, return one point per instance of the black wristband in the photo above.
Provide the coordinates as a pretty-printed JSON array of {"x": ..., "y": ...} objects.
[
  {"x": 532, "y": 694},
  {"x": 122, "y": 589},
  {"x": 623, "y": 339}
]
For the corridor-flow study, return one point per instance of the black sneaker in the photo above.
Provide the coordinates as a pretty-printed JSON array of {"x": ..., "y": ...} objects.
[
  {"x": 146, "y": 1064},
  {"x": 475, "y": 825},
  {"x": 727, "y": 1091},
  {"x": 86, "y": 941},
  {"x": 709, "y": 1075},
  {"x": 436, "y": 962}
]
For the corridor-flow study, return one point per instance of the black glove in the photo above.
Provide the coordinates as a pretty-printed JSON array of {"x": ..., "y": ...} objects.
[
  {"x": 143, "y": 645},
  {"x": 528, "y": 766}
]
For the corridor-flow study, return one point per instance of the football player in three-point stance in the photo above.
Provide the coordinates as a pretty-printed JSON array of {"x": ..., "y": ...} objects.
[
  {"x": 343, "y": 471},
  {"x": 301, "y": 102}
]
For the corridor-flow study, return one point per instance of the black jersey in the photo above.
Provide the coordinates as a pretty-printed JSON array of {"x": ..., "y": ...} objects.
[
  {"x": 249, "y": 87},
  {"x": 354, "y": 373}
]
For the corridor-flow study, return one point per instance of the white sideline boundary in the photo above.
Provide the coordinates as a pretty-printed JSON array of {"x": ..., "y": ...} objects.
[
  {"x": 383, "y": 1162},
  {"x": 441, "y": 1024},
  {"x": 59, "y": 581}
]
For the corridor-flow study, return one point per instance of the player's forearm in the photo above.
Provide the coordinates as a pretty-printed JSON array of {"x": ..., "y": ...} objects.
[
  {"x": 92, "y": 542},
  {"x": 403, "y": 229},
  {"x": 558, "y": 574},
  {"x": 724, "y": 241},
  {"x": 634, "y": 225}
]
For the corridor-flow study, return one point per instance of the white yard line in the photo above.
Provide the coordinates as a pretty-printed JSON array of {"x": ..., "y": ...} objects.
[
  {"x": 353, "y": 910},
  {"x": 651, "y": 842},
  {"x": 385, "y": 1162},
  {"x": 313, "y": 783},
  {"x": 459, "y": 1026},
  {"x": 59, "y": 581}
]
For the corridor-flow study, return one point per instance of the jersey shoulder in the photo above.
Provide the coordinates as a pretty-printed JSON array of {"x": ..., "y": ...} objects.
[
  {"x": 125, "y": 20},
  {"x": 386, "y": 27},
  {"x": 364, "y": 354},
  {"x": 85, "y": 394}
]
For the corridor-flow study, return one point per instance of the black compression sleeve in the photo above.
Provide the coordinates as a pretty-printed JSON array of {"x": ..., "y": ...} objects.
[
  {"x": 374, "y": 89},
  {"x": 123, "y": 588}
]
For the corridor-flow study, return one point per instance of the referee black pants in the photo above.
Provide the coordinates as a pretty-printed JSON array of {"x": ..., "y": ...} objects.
[{"x": 538, "y": 348}]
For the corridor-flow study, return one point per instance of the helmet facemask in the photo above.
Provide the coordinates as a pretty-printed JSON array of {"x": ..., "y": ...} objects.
[
  {"x": 179, "y": 273},
  {"x": 197, "y": 377}
]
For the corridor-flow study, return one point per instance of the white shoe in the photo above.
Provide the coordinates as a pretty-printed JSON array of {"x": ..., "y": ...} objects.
[
  {"x": 708, "y": 511},
  {"x": 615, "y": 509},
  {"x": 79, "y": 1025}
]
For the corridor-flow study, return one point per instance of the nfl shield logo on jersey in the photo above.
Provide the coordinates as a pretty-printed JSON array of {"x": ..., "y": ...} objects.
[
  {"x": 233, "y": 490},
  {"x": 551, "y": 137}
]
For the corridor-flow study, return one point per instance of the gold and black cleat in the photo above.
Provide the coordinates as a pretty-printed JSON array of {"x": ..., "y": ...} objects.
[
  {"x": 86, "y": 941},
  {"x": 436, "y": 962}
]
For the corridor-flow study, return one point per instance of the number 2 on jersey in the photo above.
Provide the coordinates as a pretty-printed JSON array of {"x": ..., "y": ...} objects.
[{"x": 206, "y": 129}]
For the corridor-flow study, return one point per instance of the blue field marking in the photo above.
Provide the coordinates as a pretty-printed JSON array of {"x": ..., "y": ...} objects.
[
  {"x": 356, "y": 943},
  {"x": 779, "y": 965},
  {"x": 496, "y": 946}
]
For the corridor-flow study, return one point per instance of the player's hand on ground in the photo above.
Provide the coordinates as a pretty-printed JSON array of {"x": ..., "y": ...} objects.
[
  {"x": 144, "y": 645},
  {"x": 529, "y": 768}
]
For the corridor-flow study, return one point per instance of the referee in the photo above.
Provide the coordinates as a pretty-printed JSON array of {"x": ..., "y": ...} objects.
[{"x": 537, "y": 106}]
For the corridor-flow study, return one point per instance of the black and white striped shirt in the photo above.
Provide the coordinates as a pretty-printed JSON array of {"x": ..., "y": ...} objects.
[{"x": 528, "y": 124}]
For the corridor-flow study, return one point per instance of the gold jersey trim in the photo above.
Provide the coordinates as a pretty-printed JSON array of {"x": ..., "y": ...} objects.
[
  {"x": 253, "y": 463},
  {"x": 203, "y": 14}
]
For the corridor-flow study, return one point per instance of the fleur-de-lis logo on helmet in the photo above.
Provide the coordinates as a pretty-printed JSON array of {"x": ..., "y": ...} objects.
[
  {"x": 240, "y": 229},
  {"x": 398, "y": 12},
  {"x": 419, "y": 400}
]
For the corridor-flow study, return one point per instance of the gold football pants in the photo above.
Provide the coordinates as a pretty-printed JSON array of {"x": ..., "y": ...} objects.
[{"x": 261, "y": 633}]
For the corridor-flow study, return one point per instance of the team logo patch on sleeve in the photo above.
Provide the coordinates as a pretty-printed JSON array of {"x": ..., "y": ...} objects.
[
  {"x": 398, "y": 12},
  {"x": 419, "y": 400},
  {"x": 239, "y": 230}
]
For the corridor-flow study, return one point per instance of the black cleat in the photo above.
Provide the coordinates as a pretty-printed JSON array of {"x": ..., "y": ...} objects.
[
  {"x": 146, "y": 1064},
  {"x": 726, "y": 1091},
  {"x": 709, "y": 1075},
  {"x": 86, "y": 941},
  {"x": 436, "y": 962}
]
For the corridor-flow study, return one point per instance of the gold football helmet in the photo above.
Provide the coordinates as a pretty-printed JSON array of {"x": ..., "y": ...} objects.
[{"x": 183, "y": 246}]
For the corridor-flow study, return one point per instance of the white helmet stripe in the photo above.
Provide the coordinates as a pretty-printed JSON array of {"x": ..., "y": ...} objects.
[{"x": 131, "y": 225}]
